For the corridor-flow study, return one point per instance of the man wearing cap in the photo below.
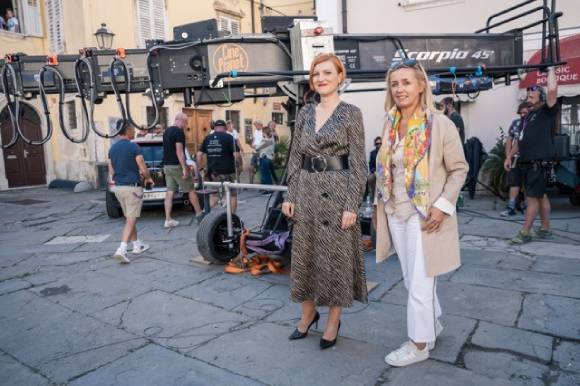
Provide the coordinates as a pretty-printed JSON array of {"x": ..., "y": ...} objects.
[
  {"x": 221, "y": 151},
  {"x": 126, "y": 167},
  {"x": 536, "y": 148},
  {"x": 514, "y": 174},
  {"x": 177, "y": 172}
]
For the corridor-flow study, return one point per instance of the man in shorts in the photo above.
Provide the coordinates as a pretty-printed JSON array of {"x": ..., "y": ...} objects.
[
  {"x": 514, "y": 174},
  {"x": 221, "y": 151},
  {"x": 536, "y": 149},
  {"x": 178, "y": 175},
  {"x": 126, "y": 168}
]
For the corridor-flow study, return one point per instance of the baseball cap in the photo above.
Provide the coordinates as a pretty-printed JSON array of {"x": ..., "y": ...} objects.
[{"x": 219, "y": 122}]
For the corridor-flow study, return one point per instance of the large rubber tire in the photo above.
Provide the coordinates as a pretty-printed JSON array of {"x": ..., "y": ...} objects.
[
  {"x": 211, "y": 233},
  {"x": 575, "y": 199},
  {"x": 113, "y": 208}
]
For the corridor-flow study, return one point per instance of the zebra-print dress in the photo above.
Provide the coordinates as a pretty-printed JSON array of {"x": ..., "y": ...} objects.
[{"x": 327, "y": 262}]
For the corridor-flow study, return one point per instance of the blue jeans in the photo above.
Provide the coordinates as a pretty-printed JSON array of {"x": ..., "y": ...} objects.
[{"x": 266, "y": 170}]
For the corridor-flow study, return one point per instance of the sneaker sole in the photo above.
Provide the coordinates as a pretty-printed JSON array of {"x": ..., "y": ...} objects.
[
  {"x": 121, "y": 259},
  {"x": 394, "y": 364},
  {"x": 141, "y": 251}
]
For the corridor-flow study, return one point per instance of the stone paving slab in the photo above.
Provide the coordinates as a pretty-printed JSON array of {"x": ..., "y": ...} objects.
[
  {"x": 72, "y": 343},
  {"x": 89, "y": 292},
  {"x": 284, "y": 362},
  {"x": 432, "y": 373},
  {"x": 226, "y": 291},
  {"x": 13, "y": 285},
  {"x": 386, "y": 325},
  {"x": 496, "y": 259},
  {"x": 154, "y": 365},
  {"x": 569, "y": 251},
  {"x": 564, "y": 266},
  {"x": 387, "y": 274},
  {"x": 272, "y": 299},
  {"x": 172, "y": 321},
  {"x": 491, "y": 304},
  {"x": 158, "y": 274},
  {"x": 535, "y": 282},
  {"x": 552, "y": 315},
  {"x": 567, "y": 379},
  {"x": 492, "y": 336},
  {"x": 567, "y": 354},
  {"x": 516, "y": 370},
  {"x": 14, "y": 373}
]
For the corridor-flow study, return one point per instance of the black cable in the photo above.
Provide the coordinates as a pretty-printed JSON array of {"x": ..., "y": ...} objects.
[
  {"x": 151, "y": 94},
  {"x": 61, "y": 103},
  {"x": 11, "y": 104}
]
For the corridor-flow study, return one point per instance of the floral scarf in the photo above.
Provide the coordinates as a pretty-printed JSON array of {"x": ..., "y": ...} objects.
[{"x": 415, "y": 160}]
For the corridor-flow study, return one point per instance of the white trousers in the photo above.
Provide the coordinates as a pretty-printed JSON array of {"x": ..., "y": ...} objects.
[{"x": 423, "y": 309}]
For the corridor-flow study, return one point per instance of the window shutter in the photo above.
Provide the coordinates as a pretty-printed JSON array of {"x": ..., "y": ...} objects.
[
  {"x": 232, "y": 26},
  {"x": 31, "y": 18},
  {"x": 235, "y": 27},
  {"x": 55, "y": 26},
  {"x": 150, "y": 20},
  {"x": 158, "y": 19}
]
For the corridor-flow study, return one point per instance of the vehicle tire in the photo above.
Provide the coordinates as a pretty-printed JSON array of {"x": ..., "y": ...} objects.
[
  {"x": 575, "y": 199},
  {"x": 212, "y": 232},
  {"x": 113, "y": 208}
]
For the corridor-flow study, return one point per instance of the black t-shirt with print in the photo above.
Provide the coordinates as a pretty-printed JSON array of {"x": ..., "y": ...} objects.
[
  {"x": 220, "y": 148},
  {"x": 536, "y": 141}
]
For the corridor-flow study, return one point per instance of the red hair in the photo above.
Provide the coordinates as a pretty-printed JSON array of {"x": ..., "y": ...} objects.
[{"x": 321, "y": 58}]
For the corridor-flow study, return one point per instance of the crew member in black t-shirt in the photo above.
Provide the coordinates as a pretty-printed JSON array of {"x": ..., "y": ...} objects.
[
  {"x": 178, "y": 176},
  {"x": 536, "y": 147},
  {"x": 221, "y": 151},
  {"x": 451, "y": 113}
]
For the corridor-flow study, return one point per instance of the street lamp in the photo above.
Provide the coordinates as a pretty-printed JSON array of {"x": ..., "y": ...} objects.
[{"x": 104, "y": 37}]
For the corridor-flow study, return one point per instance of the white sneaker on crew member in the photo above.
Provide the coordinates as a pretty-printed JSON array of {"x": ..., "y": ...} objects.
[
  {"x": 140, "y": 248},
  {"x": 406, "y": 355},
  {"x": 121, "y": 256},
  {"x": 171, "y": 223}
]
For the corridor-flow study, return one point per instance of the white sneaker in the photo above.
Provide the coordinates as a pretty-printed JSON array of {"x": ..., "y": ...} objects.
[
  {"x": 171, "y": 223},
  {"x": 121, "y": 256},
  {"x": 406, "y": 355},
  {"x": 140, "y": 249}
]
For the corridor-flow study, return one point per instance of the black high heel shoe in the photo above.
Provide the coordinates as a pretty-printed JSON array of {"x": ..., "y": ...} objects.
[
  {"x": 324, "y": 344},
  {"x": 299, "y": 335}
]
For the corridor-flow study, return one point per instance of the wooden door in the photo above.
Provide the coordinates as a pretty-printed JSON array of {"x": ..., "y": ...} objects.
[
  {"x": 198, "y": 127},
  {"x": 24, "y": 163}
]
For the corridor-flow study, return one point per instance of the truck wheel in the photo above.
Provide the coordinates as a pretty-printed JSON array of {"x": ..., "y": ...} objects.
[
  {"x": 113, "y": 208},
  {"x": 212, "y": 236}
]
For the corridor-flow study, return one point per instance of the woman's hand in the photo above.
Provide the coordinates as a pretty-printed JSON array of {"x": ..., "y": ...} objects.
[
  {"x": 348, "y": 220},
  {"x": 434, "y": 220},
  {"x": 288, "y": 209}
]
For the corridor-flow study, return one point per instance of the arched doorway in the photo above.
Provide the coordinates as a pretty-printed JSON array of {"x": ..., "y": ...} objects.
[{"x": 24, "y": 164}]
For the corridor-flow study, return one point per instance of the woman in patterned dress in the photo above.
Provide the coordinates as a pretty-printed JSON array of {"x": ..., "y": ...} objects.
[{"x": 326, "y": 180}]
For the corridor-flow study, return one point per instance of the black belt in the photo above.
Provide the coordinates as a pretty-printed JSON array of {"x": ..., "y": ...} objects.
[{"x": 321, "y": 163}]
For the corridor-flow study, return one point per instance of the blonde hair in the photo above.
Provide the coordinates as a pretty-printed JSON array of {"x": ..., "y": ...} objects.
[{"x": 427, "y": 98}]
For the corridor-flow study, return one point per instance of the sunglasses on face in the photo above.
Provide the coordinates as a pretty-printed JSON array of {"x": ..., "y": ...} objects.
[
  {"x": 378, "y": 144},
  {"x": 534, "y": 88},
  {"x": 405, "y": 63}
]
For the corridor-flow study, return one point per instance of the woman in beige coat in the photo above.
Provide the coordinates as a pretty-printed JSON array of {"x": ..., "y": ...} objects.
[{"x": 420, "y": 171}]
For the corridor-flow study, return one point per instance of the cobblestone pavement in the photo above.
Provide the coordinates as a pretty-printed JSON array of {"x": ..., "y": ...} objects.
[{"x": 69, "y": 314}]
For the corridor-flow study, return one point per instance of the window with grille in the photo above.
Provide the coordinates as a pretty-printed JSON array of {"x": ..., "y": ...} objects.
[
  {"x": 229, "y": 25},
  {"x": 162, "y": 116},
  {"x": 55, "y": 26},
  {"x": 278, "y": 118},
  {"x": 151, "y": 20}
]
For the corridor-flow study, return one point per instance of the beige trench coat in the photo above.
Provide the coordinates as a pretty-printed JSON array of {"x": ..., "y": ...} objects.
[{"x": 447, "y": 172}]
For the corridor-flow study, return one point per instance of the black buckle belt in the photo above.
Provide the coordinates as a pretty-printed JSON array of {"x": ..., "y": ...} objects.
[{"x": 321, "y": 163}]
